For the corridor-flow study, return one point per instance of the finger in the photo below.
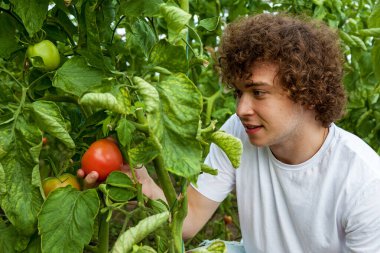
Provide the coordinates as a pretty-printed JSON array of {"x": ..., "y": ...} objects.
[
  {"x": 90, "y": 181},
  {"x": 80, "y": 173},
  {"x": 125, "y": 167},
  {"x": 111, "y": 138}
]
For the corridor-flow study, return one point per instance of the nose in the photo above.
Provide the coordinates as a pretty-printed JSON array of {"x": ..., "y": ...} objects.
[{"x": 244, "y": 105}]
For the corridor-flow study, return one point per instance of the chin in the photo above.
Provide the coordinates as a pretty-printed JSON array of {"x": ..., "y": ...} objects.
[{"x": 257, "y": 143}]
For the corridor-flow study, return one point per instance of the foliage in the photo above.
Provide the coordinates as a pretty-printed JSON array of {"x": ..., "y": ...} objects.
[{"x": 144, "y": 72}]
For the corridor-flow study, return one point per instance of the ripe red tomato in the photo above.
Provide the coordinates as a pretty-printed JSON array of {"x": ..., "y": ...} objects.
[
  {"x": 51, "y": 183},
  {"x": 103, "y": 156}
]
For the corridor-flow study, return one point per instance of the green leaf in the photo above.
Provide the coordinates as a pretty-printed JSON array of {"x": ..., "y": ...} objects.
[
  {"x": 175, "y": 17},
  {"x": 144, "y": 152},
  {"x": 8, "y": 238},
  {"x": 347, "y": 39},
  {"x": 76, "y": 77},
  {"x": 158, "y": 206},
  {"x": 230, "y": 145},
  {"x": 214, "y": 247},
  {"x": 34, "y": 245},
  {"x": 143, "y": 35},
  {"x": 3, "y": 189},
  {"x": 119, "y": 179},
  {"x": 210, "y": 24},
  {"x": 66, "y": 219},
  {"x": 143, "y": 249},
  {"x": 207, "y": 169},
  {"x": 49, "y": 119},
  {"x": 374, "y": 18},
  {"x": 120, "y": 195},
  {"x": 169, "y": 56},
  {"x": 136, "y": 8},
  {"x": 124, "y": 130},
  {"x": 176, "y": 125},
  {"x": 8, "y": 39},
  {"x": 104, "y": 101},
  {"x": 32, "y": 12},
  {"x": 375, "y": 55},
  {"x": 92, "y": 50},
  {"x": 217, "y": 247},
  {"x": 374, "y": 32},
  {"x": 148, "y": 94},
  {"x": 20, "y": 146},
  {"x": 319, "y": 12},
  {"x": 135, "y": 234},
  {"x": 359, "y": 42}
]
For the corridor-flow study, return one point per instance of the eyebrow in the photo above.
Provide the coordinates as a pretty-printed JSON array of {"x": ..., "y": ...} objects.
[{"x": 255, "y": 84}]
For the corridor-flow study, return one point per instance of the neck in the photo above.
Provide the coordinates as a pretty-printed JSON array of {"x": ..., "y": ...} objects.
[{"x": 302, "y": 146}]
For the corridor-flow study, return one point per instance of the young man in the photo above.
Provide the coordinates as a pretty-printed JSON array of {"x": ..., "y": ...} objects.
[{"x": 304, "y": 184}]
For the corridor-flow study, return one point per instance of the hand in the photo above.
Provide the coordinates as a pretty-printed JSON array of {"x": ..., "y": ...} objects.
[
  {"x": 149, "y": 187},
  {"x": 90, "y": 180}
]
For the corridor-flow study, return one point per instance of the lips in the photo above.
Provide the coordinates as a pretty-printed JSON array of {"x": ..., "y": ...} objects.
[{"x": 251, "y": 129}]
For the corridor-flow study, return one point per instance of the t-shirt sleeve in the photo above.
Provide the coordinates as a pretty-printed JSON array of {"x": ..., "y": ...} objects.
[
  {"x": 363, "y": 220},
  {"x": 218, "y": 187}
]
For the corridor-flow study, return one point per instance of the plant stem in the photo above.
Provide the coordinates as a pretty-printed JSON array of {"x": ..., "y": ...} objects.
[
  {"x": 141, "y": 127},
  {"x": 162, "y": 174},
  {"x": 103, "y": 233},
  {"x": 12, "y": 76},
  {"x": 19, "y": 109},
  {"x": 178, "y": 207},
  {"x": 165, "y": 181},
  {"x": 210, "y": 105},
  {"x": 179, "y": 215}
]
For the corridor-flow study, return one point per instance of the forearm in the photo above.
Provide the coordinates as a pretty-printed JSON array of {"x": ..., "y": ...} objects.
[
  {"x": 153, "y": 191},
  {"x": 200, "y": 210}
]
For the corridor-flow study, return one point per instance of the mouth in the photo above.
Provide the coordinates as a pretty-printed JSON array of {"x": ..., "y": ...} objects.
[
  {"x": 252, "y": 129},
  {"x": 251, "y": 126}
]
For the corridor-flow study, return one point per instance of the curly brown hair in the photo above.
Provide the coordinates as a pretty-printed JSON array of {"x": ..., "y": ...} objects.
[{"x": 306, "y": 51}]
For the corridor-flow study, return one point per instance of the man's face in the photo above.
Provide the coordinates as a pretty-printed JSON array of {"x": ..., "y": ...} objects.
[{"x": 269, "y": 116}]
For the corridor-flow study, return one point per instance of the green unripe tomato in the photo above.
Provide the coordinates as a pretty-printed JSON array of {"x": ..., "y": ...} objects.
[{"x": 44, "y": 55}]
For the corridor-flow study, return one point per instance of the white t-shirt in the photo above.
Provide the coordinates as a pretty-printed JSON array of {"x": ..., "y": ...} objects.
[{"x": 328, "y": 204}]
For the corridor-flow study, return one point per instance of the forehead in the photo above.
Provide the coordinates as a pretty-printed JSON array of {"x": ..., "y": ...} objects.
[{"x": 260, "y": 73}]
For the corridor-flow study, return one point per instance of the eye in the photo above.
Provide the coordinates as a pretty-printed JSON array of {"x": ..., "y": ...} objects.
[{"x": 258, "y": 93}]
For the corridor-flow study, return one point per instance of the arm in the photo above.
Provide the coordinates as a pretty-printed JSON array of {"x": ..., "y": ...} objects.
[
  {"x": 200, "y": 210},
  {"x": 362, "y": 221}
]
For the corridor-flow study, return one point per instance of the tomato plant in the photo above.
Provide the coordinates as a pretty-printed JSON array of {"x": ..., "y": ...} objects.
[
  {"x": 51, "y": 183},
  {"x": 103, "y": 156},
  {"x": 44, "y": 55}
]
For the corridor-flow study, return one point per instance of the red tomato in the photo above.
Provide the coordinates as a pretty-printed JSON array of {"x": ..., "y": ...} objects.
[{"x": 103, "y": 156}]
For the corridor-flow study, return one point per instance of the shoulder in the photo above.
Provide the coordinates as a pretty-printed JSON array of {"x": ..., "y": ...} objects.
[
  {"x": 234, "y": 127},
  {"x": 355, "y": 149},
  {"x": 232, "y": 124}
]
